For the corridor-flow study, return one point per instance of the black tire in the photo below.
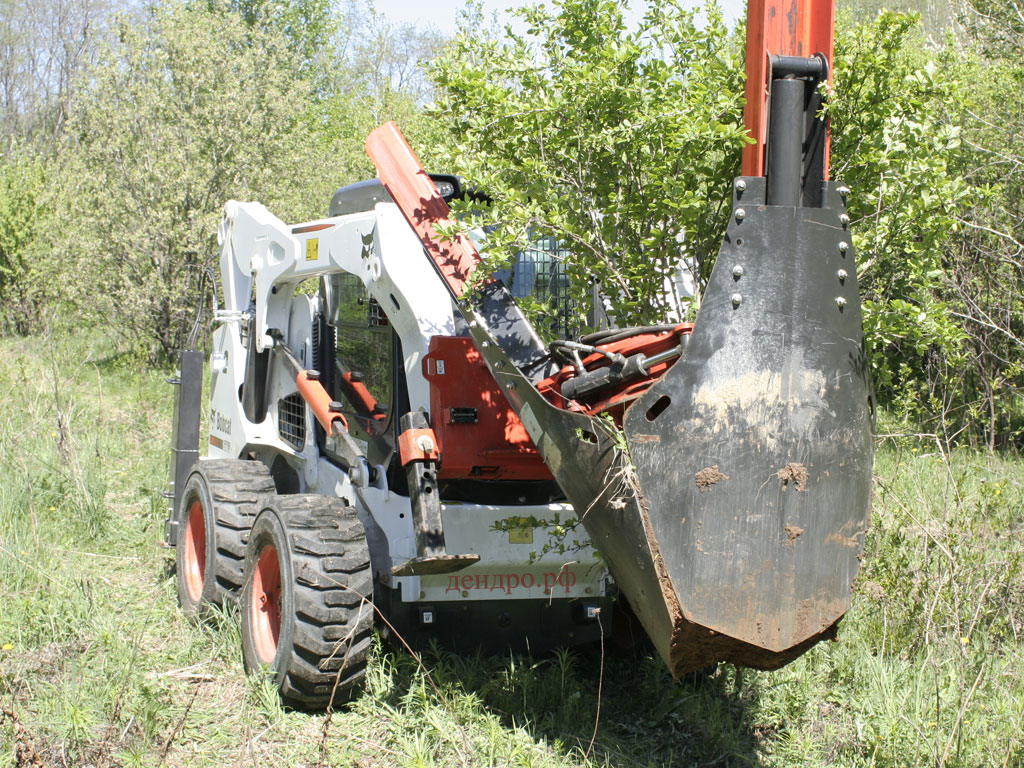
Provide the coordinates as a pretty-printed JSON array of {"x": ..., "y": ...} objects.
[
  {"x": 227, "y": 491},
  {"x": 324, "y": 591}
]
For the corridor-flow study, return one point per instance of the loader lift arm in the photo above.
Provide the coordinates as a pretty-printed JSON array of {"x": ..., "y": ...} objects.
[
  {"x": 734, "y": 521},
  {"x": 418, "y": 457}
]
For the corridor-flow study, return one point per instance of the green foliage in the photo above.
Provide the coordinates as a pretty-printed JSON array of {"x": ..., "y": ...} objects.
[
  {"x": 986, "y": 271},
  {"x": 935, "y": 168},
  {"x": 101, "y": 668},
  {"x": 23, "y": 212},
  {"x": 998, "y": 25},
  {"x": 895, "y": 150},
  {"x": 197, "y": 103},
  {"x": 378, "y": 77},
  {"x": 193, "y": 107},
  {"x": 936, "y": 16},
  {"x": 617, "y": 143},
  {"x": 308, "y": 25}
]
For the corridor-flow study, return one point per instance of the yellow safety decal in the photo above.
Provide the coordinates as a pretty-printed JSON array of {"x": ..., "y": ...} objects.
[
  {"x": 312, "y": 249},
  {"x": 520, "y": 535}
]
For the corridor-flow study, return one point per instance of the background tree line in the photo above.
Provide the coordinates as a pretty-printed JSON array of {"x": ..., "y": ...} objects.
[{"x": 125, "y": 128}]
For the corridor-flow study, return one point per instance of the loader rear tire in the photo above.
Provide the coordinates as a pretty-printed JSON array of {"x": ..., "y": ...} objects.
[
  {"x": 307, "y": 611},
  {"x": 218, "y": 506}
]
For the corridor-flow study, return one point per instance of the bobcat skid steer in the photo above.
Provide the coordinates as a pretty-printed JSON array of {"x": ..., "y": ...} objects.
[{"x": 388, "y": 449}]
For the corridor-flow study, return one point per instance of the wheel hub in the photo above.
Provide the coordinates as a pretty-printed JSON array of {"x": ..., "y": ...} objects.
[
  {"x": 195, "y": 551},
  {"x": 266, "y": 604}
]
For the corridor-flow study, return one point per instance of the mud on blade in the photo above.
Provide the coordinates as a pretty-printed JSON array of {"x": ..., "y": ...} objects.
[{"x": 753, "y": 454}]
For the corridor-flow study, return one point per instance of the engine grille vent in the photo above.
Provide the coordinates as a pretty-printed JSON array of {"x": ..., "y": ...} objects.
[
  {"x": 316, "y": 343},
  {"x": 291, "y": 420}
]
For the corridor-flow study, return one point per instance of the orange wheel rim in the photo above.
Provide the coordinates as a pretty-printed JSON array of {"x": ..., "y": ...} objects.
[
  {"x": 265, "y": 605},
  {"x": 195, "y": 551}
]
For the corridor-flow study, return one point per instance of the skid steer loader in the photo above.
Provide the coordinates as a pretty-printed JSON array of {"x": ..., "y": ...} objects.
[{"x": 387, "y": 448}]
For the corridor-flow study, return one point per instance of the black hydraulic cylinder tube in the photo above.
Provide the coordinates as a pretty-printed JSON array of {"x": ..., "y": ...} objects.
[
  {"x": 815, "y": 66},
  {"x": 426, "y": 507},
  {"x": 785, "y": 142}
]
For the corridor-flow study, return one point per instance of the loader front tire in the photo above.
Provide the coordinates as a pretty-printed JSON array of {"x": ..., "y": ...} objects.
[
  {"x": 307, "y": 611},
  {"x": 218, "y": 505}
]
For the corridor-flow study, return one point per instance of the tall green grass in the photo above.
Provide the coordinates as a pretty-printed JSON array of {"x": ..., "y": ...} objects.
[{"x": 100, "y": 668}]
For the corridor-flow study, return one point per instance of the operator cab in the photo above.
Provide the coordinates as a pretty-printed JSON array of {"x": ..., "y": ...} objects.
[{"x": 485, "y": 448}]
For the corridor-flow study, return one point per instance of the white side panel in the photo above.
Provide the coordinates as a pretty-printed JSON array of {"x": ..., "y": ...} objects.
[
  {"x": 513, "y": 564},
  {"x": 229, "y": 429}
]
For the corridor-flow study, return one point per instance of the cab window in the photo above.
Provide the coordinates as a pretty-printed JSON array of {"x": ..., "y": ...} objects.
[
  {"x": 362, "y": 380},
  {"x": 537, "y": 279}
]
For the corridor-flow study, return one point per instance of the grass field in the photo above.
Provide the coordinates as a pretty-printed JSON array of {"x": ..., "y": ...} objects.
[{"x": 97, "y": 666}]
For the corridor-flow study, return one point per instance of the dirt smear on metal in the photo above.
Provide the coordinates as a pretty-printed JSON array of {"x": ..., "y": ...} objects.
[
  {"x": 793, "y": 532},
  {"x": 794, "y": 473},
  {"x": 709, "y": 476}
]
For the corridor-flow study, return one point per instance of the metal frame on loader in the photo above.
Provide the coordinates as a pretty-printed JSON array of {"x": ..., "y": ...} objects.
[{"x": 721, "y": 469}]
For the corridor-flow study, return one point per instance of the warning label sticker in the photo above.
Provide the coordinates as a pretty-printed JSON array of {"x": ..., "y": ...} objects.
[
  {"x": 312, "y": 249},
  {"x": 520, "y": 535}
]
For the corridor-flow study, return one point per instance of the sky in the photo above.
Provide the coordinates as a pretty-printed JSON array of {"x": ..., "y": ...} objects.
[{"x": 441, "y": 14}]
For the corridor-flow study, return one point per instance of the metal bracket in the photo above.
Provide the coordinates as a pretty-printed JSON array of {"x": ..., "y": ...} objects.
[
  {"x": 185, "y": 451},
  {"x": 421, "y": 471}
]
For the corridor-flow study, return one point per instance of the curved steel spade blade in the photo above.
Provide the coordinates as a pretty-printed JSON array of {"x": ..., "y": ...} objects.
[{"x": 753, "y": 454}]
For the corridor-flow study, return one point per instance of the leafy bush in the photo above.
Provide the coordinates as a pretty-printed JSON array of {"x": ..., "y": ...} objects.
[
  {"x": 893, "y": 146},
  {"x": 23, "y": 211},
  {"x": 193, "y": 107},
  {"x": 620, "y": 144}
]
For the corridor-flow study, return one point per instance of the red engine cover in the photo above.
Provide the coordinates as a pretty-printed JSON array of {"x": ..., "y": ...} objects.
[{"x": 478, "y": 434}]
